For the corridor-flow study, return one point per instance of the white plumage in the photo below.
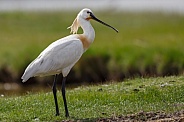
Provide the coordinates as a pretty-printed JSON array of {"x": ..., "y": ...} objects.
[{"x": 61, "y": 55}]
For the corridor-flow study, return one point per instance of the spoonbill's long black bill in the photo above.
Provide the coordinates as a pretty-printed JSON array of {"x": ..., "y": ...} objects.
[{"x": 93, "y": 17}]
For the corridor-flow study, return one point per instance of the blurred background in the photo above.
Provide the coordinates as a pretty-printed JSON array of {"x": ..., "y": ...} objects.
[
  {"x": 116, "y": 5},
  {"x": 149, "y": 42}
]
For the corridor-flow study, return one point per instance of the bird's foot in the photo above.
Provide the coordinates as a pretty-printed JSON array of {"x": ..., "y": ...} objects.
[
  {"x": 57, "y": 114},
  {"x": 67, "y": 115}
]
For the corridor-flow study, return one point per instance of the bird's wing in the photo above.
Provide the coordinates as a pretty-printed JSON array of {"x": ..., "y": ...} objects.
[{"x": 60, "y": 54}]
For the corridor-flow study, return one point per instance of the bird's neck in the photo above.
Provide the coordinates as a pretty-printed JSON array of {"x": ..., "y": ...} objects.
[{"x": 88, "y": 31}]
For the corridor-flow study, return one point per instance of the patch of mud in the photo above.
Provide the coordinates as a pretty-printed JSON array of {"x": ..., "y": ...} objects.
[
  {"x": 140, "y": 117},
  {"x": 148, "y": 117}
]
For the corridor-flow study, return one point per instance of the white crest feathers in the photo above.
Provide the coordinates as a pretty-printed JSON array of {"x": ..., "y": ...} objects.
[{"x": 74, "y": 27}]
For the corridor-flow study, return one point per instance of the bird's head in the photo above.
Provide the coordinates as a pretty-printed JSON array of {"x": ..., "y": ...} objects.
[{"x": 86, "y": 14}]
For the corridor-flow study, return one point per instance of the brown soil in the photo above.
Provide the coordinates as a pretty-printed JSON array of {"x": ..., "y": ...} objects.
[
  {"x": 140, "y": 117},
  {"x": 148, "y": 117}
]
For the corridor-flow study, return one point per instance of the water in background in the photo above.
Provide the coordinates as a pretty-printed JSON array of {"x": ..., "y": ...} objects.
[{"x": 115, "y": 5}]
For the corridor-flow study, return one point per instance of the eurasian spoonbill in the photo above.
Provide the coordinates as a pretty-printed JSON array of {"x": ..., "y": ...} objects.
[{"x": 61, "y": 55}]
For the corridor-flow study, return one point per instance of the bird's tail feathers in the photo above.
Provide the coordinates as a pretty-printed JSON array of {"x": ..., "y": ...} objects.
[
  {"x": 24, "y": 78},
  {"x": 29, "y": 72}
]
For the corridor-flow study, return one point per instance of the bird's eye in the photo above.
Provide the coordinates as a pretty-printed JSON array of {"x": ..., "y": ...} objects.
[{"x": 88, "y": 12}]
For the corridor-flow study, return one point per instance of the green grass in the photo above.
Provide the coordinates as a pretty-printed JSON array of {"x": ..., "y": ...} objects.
[
  {"x": 93, "y": 102},
  {"x": 146, "y": 42}
]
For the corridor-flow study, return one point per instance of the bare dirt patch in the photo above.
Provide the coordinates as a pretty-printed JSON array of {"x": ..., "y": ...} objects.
[
  {"x": 140, "y": 117},
  {"x": 148, "y": 117}
]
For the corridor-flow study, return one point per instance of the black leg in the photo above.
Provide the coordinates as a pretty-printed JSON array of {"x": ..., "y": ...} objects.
[
  {"x": 55, "y": 96},
  {"x": 64, "y": 98}
]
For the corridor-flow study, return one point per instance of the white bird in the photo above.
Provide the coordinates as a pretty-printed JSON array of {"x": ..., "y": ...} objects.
[{"x": 61, "y": 55}]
